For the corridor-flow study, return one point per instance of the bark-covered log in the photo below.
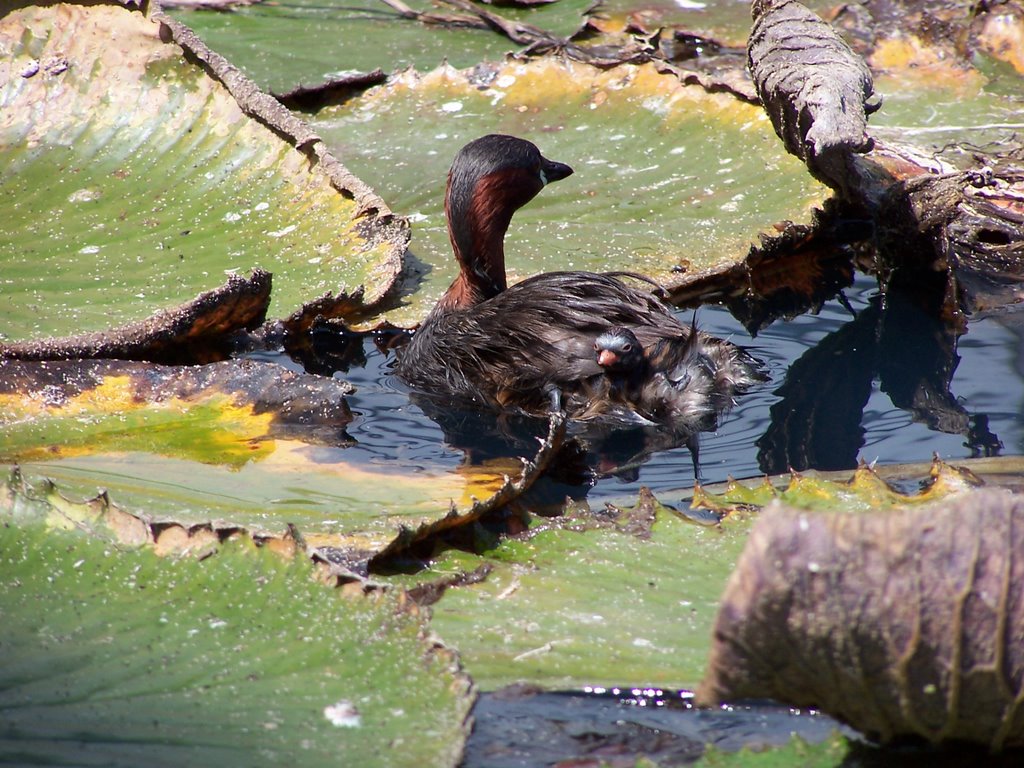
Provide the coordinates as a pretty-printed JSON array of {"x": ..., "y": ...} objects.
[
  {"x": 904, "y": 625},
  {"x": 813, "y": 87}
]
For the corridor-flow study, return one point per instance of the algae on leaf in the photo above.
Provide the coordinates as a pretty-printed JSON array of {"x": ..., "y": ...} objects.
[{"x": 224, "y": 413}]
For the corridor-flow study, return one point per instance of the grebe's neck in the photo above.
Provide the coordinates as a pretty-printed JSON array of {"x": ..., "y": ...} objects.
[{"x": 477, "y": 223}]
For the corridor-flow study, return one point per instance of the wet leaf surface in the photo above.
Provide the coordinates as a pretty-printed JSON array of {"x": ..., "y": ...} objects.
[
  {"x": 223, "y": 413},
  {"x": 569, "y": 605},
  {"x": 134, "y": 181},
  {"x": 118, "y": 657}
]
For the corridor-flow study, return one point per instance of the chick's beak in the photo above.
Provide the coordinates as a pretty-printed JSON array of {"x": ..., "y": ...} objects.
[{"x": 606, "y": 358}]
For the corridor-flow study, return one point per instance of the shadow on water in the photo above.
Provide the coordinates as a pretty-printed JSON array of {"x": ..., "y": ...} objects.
[
  {"x": 523, "y": 727},
  {"x": 520, "y": 726},
  {"x": 819, "y": 420}
]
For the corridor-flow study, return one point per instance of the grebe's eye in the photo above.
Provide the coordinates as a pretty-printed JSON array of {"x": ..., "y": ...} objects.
[{"x": 627, "y": 347}]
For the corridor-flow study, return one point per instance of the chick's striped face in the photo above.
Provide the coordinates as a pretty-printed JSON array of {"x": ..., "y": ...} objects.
[{"x": 617, "y": 349}]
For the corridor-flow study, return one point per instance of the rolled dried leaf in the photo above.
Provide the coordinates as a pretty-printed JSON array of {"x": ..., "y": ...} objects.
[
  {"x": 812, "y": 85},
  {"x": 903, "y": 625}
]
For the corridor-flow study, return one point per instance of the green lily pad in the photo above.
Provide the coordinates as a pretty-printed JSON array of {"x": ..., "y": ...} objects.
[
  {"x": 119, "y": 657},
  {"x": 602, "y": 606},
  {"x": 667, "y": 177},
  {"x": 134, "y": 180},
  {"x": 307, "y": 41},
  {"x": 797, "y": 754},
  {"x": 627, "y": 597}
]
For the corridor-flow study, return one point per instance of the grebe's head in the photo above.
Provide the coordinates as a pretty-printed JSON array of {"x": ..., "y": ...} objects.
[{"x": 500, "y": 172}]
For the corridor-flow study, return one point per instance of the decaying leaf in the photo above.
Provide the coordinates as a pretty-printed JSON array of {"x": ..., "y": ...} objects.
[
  {"x": 944, "y": 235},
  {"x": 332, "y": 91},
  {"x": 164, "y": 165},
  {"x": 785, "y": 275},
  {"x": 904, "y": 625},
  {"x": 999, "y": 31},
  {"x": 813, "y": 86},
  {"x": 865, "y": 490},
  {"x": 937, "y": 35},
  {"x": 509, "y": 490}
]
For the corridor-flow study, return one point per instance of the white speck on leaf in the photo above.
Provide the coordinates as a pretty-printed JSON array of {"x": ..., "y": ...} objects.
[{"x": 343, "y": 714}]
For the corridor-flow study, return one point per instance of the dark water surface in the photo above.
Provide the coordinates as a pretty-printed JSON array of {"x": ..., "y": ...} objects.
[{"x": 872, "y": 380}]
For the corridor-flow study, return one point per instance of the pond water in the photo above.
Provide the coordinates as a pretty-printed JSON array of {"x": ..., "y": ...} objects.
[{"x": 861, "y": 380}]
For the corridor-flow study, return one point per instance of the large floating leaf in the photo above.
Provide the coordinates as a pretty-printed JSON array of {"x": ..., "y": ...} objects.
[
  {"x": 119, "y": 657},
  {"x": 629, "y": 602},
  {"x": 627, "y": 597},
  {"x": 667, "y": 176},
  {"x": 133, "y": 180}
]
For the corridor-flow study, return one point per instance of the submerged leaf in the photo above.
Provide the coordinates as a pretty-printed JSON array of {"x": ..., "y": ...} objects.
[
  {"x": 864, "y": 490},
  {"x": 224, "y": 413}
]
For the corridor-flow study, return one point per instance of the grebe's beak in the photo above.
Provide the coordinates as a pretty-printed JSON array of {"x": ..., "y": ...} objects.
[
  {"x": 551, "y": 170},
  {"x": 606, "y": 358}
]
